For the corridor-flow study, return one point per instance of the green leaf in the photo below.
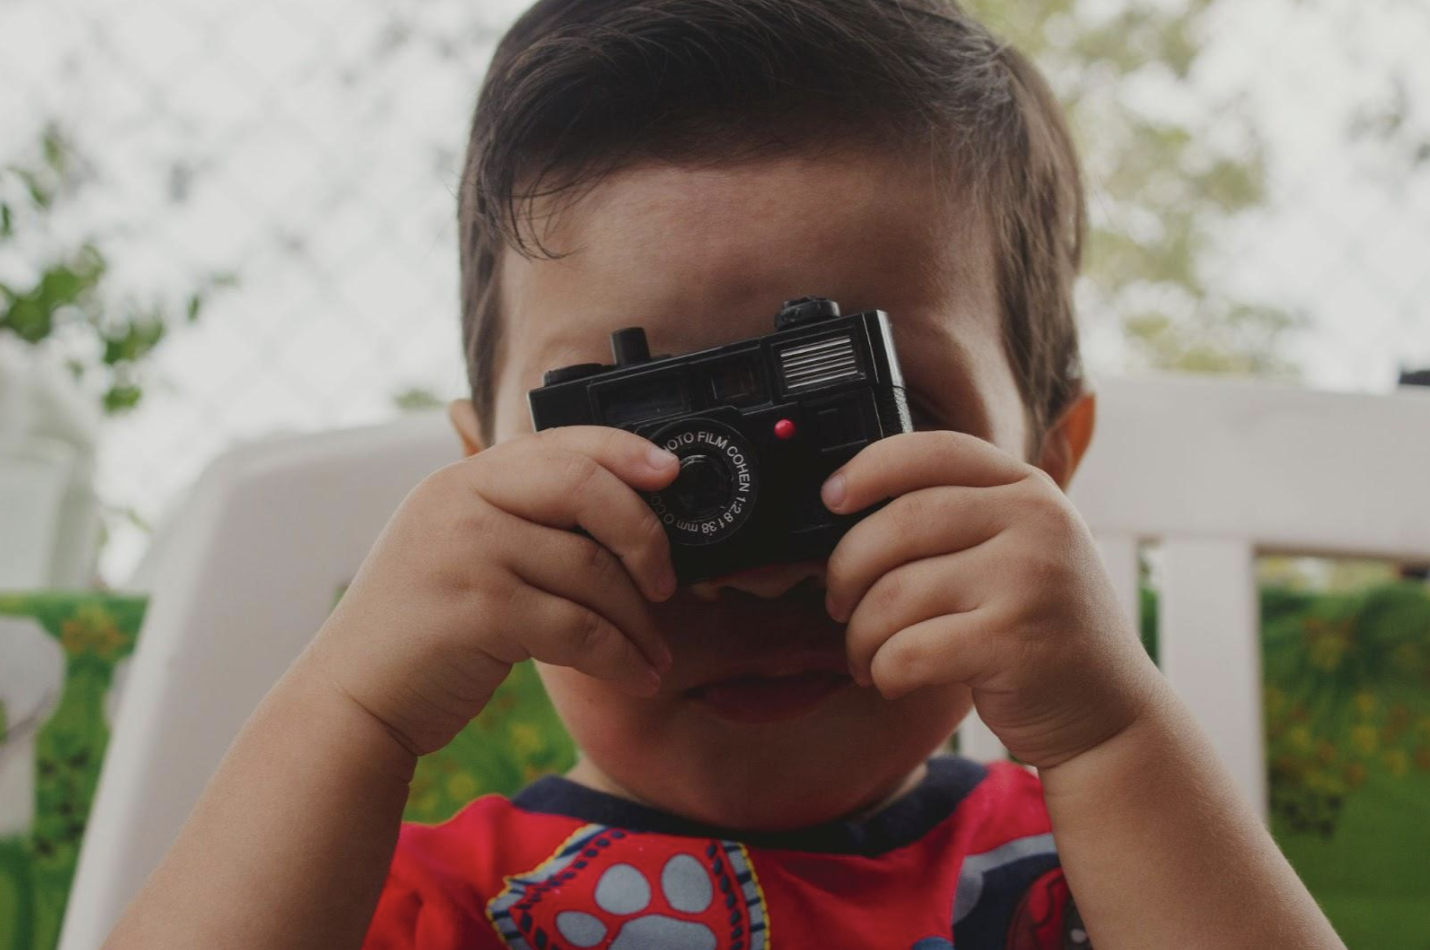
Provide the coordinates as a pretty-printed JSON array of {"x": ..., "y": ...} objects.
[
  {"x": 7, "y": 223},
  {"x": 39, "y": 194},
  {"x": 121, "y": 398},
  {"x": 55, "y": 151},
  {"x": 134, "y": 341},
  {"x": 28, "y": 320},
  {"x": 60, "y": 285},
  {"x": 416, "y": 399},
  {"x": 196, "y": 301}
]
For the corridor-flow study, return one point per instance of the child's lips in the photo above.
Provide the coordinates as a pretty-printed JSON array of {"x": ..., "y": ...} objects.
[
  {"x": 769, "y": 698},
  {"x": 762, "y": 660}
]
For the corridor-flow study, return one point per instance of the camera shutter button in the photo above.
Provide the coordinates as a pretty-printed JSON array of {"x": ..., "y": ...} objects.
[{"x": 805, "y": 310}]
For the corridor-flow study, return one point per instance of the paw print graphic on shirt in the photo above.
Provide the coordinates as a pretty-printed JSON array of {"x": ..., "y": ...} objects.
[
  {"x": 618, "y": 890},
  {"x": 624, "y": 893}
]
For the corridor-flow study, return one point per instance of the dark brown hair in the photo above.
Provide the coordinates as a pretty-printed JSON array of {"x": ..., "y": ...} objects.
[{"x": 579, "y": 88}]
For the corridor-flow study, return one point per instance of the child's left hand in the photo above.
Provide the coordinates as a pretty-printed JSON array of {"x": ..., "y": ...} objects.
[{"x": 981, "y": 572}]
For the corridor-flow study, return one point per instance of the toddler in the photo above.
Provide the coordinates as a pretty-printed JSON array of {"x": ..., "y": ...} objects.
[{"x": 759, "y": 753}]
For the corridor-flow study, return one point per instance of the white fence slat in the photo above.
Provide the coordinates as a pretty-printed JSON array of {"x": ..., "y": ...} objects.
[
  {"x": 1209, "y": 647},
  {"x": 1119, "y": 556},
  {"x": 977, "y": 741}
]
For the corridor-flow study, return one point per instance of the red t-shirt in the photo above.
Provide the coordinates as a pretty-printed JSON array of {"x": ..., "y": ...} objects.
[{"x": 964, "y": 859}]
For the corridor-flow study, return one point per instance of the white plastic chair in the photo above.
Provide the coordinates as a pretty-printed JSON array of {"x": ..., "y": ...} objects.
[
  {"x": 1214, "y": 471},
  {"x": 240, "y": 577}
]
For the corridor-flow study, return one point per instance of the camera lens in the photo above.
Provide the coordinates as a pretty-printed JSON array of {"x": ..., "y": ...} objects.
[
  {"x": 718, "y": 483},
  {"x": 702, "y": 486}
]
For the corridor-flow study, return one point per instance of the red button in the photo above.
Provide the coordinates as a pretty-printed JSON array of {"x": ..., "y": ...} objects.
[{"x": 784, "y": 429}]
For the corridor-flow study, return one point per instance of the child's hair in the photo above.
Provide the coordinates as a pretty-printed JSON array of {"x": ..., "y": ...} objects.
[{"x": 580, "y": 88}]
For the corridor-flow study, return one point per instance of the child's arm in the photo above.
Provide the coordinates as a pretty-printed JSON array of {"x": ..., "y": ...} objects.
[
  {"x": 290, "y": 842},
  {"x": 477, "y": 570},
  {"x": 980, "y": 572},
  {"x": 1160, "y": 849}
]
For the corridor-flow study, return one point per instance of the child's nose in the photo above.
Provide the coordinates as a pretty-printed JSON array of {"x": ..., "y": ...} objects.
[{"x": 768, "y": 581}]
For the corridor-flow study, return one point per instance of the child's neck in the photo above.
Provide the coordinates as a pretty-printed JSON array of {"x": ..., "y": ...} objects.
[{"x": 586, "y": 773}]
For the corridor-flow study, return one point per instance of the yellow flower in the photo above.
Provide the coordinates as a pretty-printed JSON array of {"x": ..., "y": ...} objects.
[
  {"x": 1397, "y": 762},
  {"x": 1299, "y": 738},
  {"x": 91, "y": 630},
  {"x": 1325, "y": 783},
  {"x": 525, "y": 739},
  {"x": 1407, "y": 656},
  {"x": 1364, "y": 739},
  {"x": 1366, "y": 703},
  {"x": 461, "y": 786},
  {"x": 1328, "y": 643}
]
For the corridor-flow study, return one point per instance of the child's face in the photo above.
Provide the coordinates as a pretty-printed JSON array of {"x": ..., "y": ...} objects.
[{"x": 703, "y": 256}]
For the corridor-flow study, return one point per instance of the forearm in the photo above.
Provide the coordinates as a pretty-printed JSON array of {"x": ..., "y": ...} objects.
[
  {"x": 290, "y": 843},
  {"x": 1160, "y": 849}
]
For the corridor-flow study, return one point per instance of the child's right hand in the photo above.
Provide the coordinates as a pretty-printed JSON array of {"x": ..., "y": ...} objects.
[{"x": 478, "y": 570}]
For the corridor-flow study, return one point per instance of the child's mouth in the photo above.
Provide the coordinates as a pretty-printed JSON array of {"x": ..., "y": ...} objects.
[{"x": 769, "y": 698}]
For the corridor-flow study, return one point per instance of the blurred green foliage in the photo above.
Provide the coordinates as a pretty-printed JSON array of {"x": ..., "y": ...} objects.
[
  {"x": 66, "y": 288},
  {"x": 417, "y": 399},
  {"x": 96, "y": 631},
  {"x": 1161, "y": 185}
]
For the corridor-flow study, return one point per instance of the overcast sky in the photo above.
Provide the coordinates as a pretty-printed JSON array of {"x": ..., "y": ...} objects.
[{"x": 314, "y": 146}]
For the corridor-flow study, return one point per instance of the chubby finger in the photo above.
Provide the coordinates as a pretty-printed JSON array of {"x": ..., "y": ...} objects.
[
  {"x": 908, "y": 595},
  {"x": 920, "y": 524},
  {"x": 563, "y": 632},
  {"x": 912, "y": 460},
  {"x": 584, "y": 572},
  {"x": 952, "y": 648},
  {"x": 589, "y": 479}
]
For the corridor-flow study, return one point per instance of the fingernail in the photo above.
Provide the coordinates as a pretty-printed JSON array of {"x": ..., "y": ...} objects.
[
  {"x": 669, "y": 582},
  {"x": 833, "y": 491},
  {"x": 664, "y": 661},
  {"x": 651, "y": 684},
  {"x": 659, "y": 458}
]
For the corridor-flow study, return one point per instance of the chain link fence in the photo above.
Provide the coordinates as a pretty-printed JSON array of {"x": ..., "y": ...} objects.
[{"x": 312, "y": 149}]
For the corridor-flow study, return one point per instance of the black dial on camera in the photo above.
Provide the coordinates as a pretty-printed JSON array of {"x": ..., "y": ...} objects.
[
  {"x": 718, "y": 483},
  {"x": 804, "y": 310},
  {"x": 564, "y": 374}
]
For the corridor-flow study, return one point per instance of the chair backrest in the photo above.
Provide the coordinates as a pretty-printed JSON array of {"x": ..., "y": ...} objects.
[
  {"x": 1214, "y": 471},
  {"x": 242, "y": 577}
]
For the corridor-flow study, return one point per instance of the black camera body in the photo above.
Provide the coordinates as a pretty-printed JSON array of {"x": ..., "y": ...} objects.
[{"x": 758, "y": 426}]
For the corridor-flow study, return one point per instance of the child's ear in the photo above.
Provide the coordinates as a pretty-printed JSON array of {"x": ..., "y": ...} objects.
[
  {"x": 1068, "y": 438},
  {"x": 464, "y": 420}
]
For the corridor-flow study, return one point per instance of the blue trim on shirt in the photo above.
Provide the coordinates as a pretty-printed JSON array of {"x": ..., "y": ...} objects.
[
  {"x": 949, "y": 780},
  {"x": 986, "y": 926}
]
